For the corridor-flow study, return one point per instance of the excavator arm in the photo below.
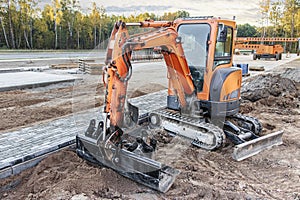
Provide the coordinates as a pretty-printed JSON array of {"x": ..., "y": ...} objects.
[{"x": 119, "y": 68}]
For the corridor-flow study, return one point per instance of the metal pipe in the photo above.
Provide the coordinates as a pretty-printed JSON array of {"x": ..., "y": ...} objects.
[
  {"x": 153, "y": 24},
  {"x": 104, "y": 127},
  {"x": 134, "y": 24},
  {"x": 105, "y": 115}
]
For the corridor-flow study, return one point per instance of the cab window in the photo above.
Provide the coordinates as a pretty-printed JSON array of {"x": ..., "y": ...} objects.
[
  {"x": 195, "y": 39},
  {"x": 223, "y": 48}
]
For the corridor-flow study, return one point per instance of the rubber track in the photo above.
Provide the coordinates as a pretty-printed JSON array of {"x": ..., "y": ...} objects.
[{"x": 197, "y": 124}]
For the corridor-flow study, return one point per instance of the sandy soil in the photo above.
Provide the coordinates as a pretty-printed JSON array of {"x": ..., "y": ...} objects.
[{"x": 273, "y": 174}]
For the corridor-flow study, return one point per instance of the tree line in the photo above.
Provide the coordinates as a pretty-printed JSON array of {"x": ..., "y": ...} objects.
[
  {"x": 62, "y": 25},
  {"x": 279, "y": 18}
]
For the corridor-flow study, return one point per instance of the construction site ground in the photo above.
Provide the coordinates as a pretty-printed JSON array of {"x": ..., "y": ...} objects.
[{"x": 271, "y": 96}]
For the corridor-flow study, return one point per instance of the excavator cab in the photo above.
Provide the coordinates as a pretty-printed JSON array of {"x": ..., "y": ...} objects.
[
  {"x": 202, "y": 100},
  {"x": 208, "y": 49}
]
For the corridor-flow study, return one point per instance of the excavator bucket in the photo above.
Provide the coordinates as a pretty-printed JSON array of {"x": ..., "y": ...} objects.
[
  {"x": 252, "y": 147},
  {"x": 132, "y": 162}
]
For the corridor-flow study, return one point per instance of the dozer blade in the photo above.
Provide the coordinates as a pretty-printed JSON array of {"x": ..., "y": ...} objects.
[{"x": 253, "y": 147}]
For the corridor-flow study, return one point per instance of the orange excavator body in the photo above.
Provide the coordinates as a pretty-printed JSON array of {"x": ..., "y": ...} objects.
[{"x": 202, "y": 101}]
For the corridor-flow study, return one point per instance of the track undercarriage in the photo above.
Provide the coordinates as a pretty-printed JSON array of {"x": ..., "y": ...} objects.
[{"x": 243, "y": 131}]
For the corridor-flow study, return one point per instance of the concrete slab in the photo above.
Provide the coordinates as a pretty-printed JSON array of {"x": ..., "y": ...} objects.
[
  {"x": 24, "y": 69},
  {"x": 24, "y": 148},
  {"x": 22, "y": 80}
]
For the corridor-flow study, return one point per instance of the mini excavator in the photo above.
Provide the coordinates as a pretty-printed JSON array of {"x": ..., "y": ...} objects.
[{"x": 203, "y": 100}]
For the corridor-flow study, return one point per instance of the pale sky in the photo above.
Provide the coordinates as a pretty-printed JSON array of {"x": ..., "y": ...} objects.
[{"x": 245, "y": 11}]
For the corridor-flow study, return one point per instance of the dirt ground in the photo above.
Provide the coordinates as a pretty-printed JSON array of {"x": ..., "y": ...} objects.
[{"x": 273, "y": 174}]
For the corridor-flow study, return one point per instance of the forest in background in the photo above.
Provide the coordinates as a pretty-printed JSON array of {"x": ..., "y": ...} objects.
[{"x": 62, "y": 24}]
